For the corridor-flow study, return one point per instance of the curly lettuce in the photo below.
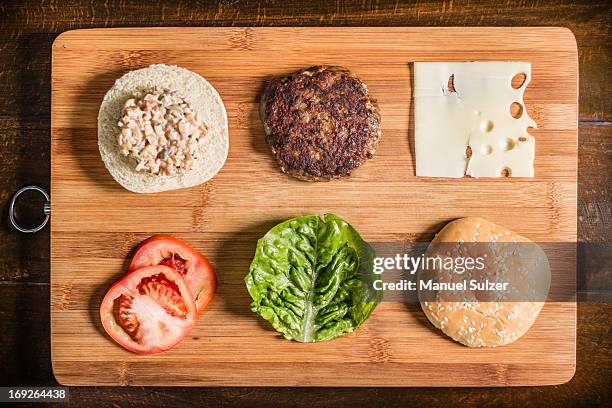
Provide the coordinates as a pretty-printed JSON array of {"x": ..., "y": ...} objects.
[{"x": 311, "y": 278}]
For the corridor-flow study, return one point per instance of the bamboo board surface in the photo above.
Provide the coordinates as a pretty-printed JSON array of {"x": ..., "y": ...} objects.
[{"x": 96, "y": 224}]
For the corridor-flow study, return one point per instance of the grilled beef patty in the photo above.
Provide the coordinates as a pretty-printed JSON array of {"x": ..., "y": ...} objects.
[{"x": 320, "y": 122}]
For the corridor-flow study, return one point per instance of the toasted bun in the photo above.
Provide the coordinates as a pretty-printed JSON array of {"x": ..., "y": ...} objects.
[
  {"x": 204, "y": 99},
  {"x": 487, "y": 323}
]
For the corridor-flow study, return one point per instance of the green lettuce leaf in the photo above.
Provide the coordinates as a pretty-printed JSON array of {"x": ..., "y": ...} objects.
[{"x": 311, "y": 278}]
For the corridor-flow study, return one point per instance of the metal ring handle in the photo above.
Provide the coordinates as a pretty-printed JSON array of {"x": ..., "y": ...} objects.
[{"x": 46, "y": 209}]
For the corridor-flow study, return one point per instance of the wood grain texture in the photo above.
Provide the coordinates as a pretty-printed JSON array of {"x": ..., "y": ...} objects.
[
  {"x": 594, "y": 181},
  {"x": 31, "y": 26},
  {"x": 224, "y": 217},
  {"x": 28, "y": 30},
  {"x": 27, "y": 362}
]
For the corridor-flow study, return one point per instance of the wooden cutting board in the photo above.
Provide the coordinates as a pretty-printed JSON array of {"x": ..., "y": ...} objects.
[{"x": 96, "y": 224}]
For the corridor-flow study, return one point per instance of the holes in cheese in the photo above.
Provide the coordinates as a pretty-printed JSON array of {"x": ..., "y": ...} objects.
[
  {"x": 486, "y": 126},
  {"x": 516, "y": 110},
  {"x": 475, "y": 105},
  {"x": 518, "y": 80},
  {"x": 508, "y": 144},
  {"x": 450, "y": 86}
]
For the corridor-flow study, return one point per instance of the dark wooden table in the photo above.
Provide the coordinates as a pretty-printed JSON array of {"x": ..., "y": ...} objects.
[{"x": 27, "y": 29}]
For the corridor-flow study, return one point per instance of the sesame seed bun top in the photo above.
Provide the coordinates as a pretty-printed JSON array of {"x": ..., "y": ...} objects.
[{"x": 478, "y": 319}]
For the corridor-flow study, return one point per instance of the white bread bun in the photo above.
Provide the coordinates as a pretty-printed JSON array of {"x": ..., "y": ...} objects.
[
  {"x": 472, "y": 321},
  {"x": 204, "y": 99}
]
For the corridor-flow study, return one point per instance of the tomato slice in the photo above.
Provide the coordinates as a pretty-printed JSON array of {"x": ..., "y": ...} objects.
[
  {"x": 174, "y": 253},
  {"x": 149, "y": 310}
]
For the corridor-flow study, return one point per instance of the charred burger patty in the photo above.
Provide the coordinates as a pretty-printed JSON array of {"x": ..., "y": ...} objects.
[{"x": 320, "y": 122}]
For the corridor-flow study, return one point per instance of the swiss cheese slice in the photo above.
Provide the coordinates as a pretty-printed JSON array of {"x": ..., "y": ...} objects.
[{"x": 468, "y": 104}]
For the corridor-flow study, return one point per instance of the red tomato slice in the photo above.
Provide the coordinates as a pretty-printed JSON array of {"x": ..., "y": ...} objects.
[
  {"x": 193, "y": 266},
  {"x": 149, "y": 310}
]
